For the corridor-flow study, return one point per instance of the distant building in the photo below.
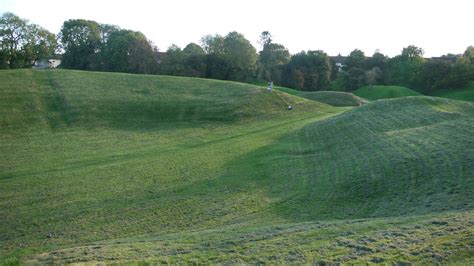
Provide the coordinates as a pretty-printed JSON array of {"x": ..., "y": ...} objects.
[
  {"x": 47, "y": 63},
  {"x": 339, "y": 61}
]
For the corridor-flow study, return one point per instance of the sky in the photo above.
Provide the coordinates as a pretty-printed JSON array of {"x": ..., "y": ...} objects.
[{"x": 334, "y": 26}]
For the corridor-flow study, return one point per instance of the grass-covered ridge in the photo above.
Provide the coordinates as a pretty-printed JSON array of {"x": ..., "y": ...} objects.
[
  {"x": 373, "y": 93},
  {"x": 463, "y": 94},
  {"x": 226, "y": 174},
  {"x": 50, "y": 99},
  {"x": 388, "y": 158},
  {"x": 334, "y": 98}
]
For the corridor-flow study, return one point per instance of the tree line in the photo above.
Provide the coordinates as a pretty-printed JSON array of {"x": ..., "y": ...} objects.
[
  {"x": 409, "y": 69},
  {"x": 89, "y": 45}
]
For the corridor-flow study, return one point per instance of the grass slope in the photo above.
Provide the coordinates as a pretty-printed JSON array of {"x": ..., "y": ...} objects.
[
  {"x": 464, "y": 94},
  {"x": 373, "y": 93},
  {"x": 334, "y": 98},
  {"x": 94, "y": 168},
  {"x": 58, "y": 99}
]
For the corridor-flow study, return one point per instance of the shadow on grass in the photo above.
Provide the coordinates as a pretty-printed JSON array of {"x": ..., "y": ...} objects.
[{"x": 330, "y": 169}]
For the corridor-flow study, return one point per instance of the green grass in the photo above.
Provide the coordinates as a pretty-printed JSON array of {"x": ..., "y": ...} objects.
[
  {"x": 334, "y": 98},
  {"x": 373, "y": 93},
  {"x": 119, "y": 168},
  {"x": 464, "y": 94}
]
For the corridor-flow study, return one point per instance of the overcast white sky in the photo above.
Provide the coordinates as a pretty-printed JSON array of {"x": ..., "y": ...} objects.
[{"x": 335, "y": 26}]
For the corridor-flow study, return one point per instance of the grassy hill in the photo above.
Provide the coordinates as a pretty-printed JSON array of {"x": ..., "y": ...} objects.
[
  {"x": 107, "y": 167},
  {"x": 464, "y": 94},
  {"x": 54, "y": 99},
  {"x": 384, "y": 92},
  {"x": 334, "y": 98}
]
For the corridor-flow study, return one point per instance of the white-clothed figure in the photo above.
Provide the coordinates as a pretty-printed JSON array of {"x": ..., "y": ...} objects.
[{"x": 270, "y": 86}]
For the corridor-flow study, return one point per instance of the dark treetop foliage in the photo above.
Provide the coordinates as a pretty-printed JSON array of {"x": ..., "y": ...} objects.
[
  {"x": 23, "y": 43},
  {"x": 309, "y": 71},
  {"x": 81, "y": 40},
  {"x": 89, "y": 45}
]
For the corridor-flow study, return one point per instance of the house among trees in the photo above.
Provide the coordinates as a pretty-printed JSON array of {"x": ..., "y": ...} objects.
[
  {"x": 339, "y": 61},
  {"x": 47, "y": 63}
]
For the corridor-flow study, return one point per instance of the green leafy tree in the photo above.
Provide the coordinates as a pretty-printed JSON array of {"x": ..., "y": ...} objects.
[
  {"x": 213, "y": 44},
  {"x": 129, "y": 51},
  {"x": 469, "y": 57},
  {"x": 193, "y": 49},
  {"x": 315, "y": 69},
  {"x": 272, "y": 57},
  {"x": 447, "y": 72},
  {"x": 105, "y": 31},
  {"x": 216, "y": 65},
  {"x": 240, "y": 56},
  {"x": 142, "y": 55},
  {"x": 412, "y": 52},
  {"x": 81, "y": 41},
  {"x": 23, "y": 43},
  {"x": 355, "y": 74},
  {"x": 265, "y": 39},
  {"x": 461, "y": 72},
  {"x": 377, "y": 69},
  {"x": 195, "y": 60},
  {"x": 405, "y": 68},
  {"x": 433, "y": 75},
  {"x": 174, "y": 61},
  {"x": 295, "y": 79},
  {"x": 231, "y": 57},
  {"x": 13, "y": 31},
  {"x": 356, "y": 59}
]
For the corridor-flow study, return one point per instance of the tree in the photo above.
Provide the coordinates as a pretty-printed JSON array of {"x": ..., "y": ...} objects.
[
  {"x": 355, "y": 59},
  {"x": 41, "y": 44},
  {"x": 405, "y": 68},
  {"x": 295, "y": 79},
  {"x": 433, "y": 75},
  {"x": 213, "y": 44},
  {"x": 377, "y": 69},
  {"x": 444, "y": 73},
  {"x": 272, "y": 57},
  {"x": 142, "y": 55},
  {"x": 469, "y": 57},
  {"x": 100, "y": 60},
  {"x": 412, "y": 51},
  {"x": 105, "y": 31},
  {"x": 265, "y": 39},
  {"x": 129, "y": 51},
  {"x": 461, "y": 72},
  {"x": 195, "y": 60},
  {"x": 355, "y": 74},
  {"x": 81, "y": 40},
  {"x": 231, "y": 57},
  {"x": 22, "y": 43},
  {"x": 13, "y": 31},
  {"x": 313, "y": 67},
  {"x": 193, "y": 49},
  {"x": 372, "y": 76},
  {"x": 174, "y": 61},
  {"x": 216, "y": 65},
  {"x": 240, "y": 56},
  {"x": 354, "y": 78}
]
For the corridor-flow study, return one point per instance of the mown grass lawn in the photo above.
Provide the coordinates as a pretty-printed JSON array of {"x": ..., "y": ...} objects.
[
  {"x": 463, "y": 94},
  {"x": 102, "y": 167},
  {"x": 334, "y": 98},
  {"x": 378, "y": 92}
]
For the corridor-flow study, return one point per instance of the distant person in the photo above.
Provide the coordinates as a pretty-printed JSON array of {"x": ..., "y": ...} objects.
[
  {"x": 290, "y": 107},
  {"x": 270, "y": 86}
]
